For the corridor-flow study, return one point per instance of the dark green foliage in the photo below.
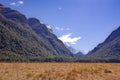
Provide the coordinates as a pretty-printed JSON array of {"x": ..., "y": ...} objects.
[
  {"x": 19, "y": 41},
  {"x": 96, "y": 59}
]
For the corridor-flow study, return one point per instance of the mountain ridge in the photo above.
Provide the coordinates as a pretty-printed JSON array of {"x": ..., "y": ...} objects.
[
  {"x": 109, "y": 49},
  {"x": 23, "y": 39},
  {"x": 20, "y": 40}
]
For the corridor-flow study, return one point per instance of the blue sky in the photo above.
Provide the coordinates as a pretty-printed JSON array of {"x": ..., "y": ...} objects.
[{"x": 80, "y": 23}]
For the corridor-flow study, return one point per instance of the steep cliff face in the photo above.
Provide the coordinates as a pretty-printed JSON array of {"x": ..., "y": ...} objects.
[{"x": 22, "y": 39}]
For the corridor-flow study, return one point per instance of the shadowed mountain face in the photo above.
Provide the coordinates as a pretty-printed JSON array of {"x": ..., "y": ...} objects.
[
  {"x": 13, "y": 14},
  {"x": 42, "y": 31},
  {"x": 79, "y": 54},
  {"x": 75, "y": 52},
  {"x": 110, "y": 48},
  {"x": 23, "y": 39}
]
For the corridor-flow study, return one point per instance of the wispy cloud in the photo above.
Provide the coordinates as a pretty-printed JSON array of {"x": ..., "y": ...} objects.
[
  {"x": 18, "y": 3},
  {"x": 13, "y": 3},
  {"x": 48, "y": 26},
  {"x": 58, "y": 28},
  {"x": 68, "y": 39},
  {"x": 21, "y": 2},
  {"x": 61, "y": 29},
  {"x": 67, "y": 28}
]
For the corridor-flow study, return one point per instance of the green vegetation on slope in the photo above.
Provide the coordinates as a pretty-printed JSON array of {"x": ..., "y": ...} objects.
[{"x": 19, "y": 42}]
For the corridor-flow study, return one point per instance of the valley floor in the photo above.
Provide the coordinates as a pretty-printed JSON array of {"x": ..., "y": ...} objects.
[{"x": 59, "y": 71}]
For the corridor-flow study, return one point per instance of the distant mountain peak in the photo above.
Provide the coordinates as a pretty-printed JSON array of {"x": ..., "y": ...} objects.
[{"x": 79, "y": 54}]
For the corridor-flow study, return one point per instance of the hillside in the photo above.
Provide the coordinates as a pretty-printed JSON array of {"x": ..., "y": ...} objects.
[
  {"x": 42, "y": 31},
  {"x": 109, "y": 50},
  {"x": 24, "y": 40}
]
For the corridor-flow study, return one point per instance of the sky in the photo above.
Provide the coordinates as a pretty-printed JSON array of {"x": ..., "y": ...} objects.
[{"x": 82, "y": 24}]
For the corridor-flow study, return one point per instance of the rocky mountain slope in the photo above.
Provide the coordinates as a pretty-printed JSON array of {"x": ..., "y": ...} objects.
[
  {"x": 109, "y": 49},
  {"x": 23, "y": 39}
]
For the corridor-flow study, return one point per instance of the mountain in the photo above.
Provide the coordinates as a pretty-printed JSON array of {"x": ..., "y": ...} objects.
[
  {"x": 71, "y": 49},
  {"x": 75, "y": 52},
  {"x": 23, "y": 39},
  {"x": 79, "y": 54},
  {"x": 43, "y": 31},
  {"x": 109, "y": 50}
]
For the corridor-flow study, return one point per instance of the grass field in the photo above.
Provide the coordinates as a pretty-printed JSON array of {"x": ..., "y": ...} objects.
[{"x": 59, "y": 71}]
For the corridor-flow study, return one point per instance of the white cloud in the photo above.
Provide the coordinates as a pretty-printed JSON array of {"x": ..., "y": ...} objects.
[
  {"x": 61, "y": 29},
  {"x": 13, "y": 3},
  {"x": 18, "y": 3},
  {"x": 49, "y": 27},
  {"x": 68, "y": 39},
  {"x": 67, "y": 28},
  {"x": 58, "y": 28}
]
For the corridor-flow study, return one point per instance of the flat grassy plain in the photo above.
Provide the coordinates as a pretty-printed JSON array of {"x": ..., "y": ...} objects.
[{"x": 59, "y": 71}]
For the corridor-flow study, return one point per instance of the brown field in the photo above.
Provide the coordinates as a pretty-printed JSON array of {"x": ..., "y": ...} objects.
[{"x": 59, "y": 71}]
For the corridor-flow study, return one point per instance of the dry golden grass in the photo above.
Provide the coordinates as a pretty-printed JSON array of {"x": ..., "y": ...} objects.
[{"x": 59, "y": 71}]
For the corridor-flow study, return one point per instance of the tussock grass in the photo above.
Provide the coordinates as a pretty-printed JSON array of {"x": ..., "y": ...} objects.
[{"x": 59, "y": 71}]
